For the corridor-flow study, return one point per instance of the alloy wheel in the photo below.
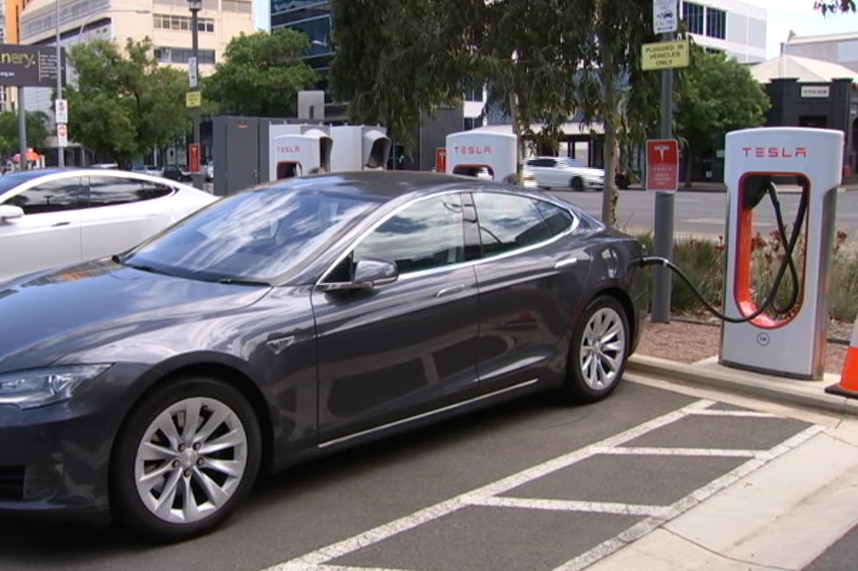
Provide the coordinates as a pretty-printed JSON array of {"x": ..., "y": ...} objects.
[{"x": 603, "y": 348}]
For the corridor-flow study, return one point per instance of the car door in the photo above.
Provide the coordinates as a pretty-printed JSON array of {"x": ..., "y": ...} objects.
[
  {"x": 121, "y": 212},
  {"x": 408, "y": 347},
  {"x": 531, "y": 276},
  {"x": 48, "y": 235}
]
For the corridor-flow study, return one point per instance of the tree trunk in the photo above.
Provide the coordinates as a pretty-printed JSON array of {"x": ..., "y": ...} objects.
[
  {"x": 516, "y": 130},
  {"x": 688, "y": 167},
  {"x": 609, "y": 196}
]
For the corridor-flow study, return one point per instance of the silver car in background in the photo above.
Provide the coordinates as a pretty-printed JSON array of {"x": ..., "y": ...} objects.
[{"x": 565, "y": 172}]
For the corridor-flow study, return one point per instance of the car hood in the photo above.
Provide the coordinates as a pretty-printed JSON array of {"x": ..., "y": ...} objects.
[{"x": 48, "y": 315}]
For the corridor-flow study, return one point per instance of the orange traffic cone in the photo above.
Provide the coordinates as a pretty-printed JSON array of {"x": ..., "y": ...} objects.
[{"x": 848, "y": 385}]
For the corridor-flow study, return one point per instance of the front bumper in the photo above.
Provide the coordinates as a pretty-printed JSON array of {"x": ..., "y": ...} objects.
[{"x": 55, "y": 459}]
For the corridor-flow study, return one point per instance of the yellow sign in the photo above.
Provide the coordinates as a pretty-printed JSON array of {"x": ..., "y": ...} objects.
[
  {"x": 193, "y": 99},
  {"x": 665, "y": 55}
]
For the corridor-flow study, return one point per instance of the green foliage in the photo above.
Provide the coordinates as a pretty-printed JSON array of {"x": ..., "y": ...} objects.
[
  {"x": 37, "y": 131},
  {"x": 260, "y": 75},
  {"x": 125, "y": 104},
  {"x": 715, "y": 95}
]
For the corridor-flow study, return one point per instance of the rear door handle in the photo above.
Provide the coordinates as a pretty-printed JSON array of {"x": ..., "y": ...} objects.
[
  {"x": 450, "y": 290},
  {"x": 60, "y": 224}
]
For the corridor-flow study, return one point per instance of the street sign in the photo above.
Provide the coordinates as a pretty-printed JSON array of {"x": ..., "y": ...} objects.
[
  {"x": 30, "y": 66},
  {"x": 193, "y": 76},
  {"x": 664, "y": 17},
  {"x": 62, "y": 135},
  {"x": 193, "y": 99},
  {"x": 441, "y": 159},
  {"x": 61, "y": 111},
  {"x": 665, "y": 55},
  {"x": 194, "y": 157},
  {"x": 662, "y": 165}
]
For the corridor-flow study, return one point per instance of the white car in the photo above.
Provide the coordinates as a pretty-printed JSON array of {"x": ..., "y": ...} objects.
[
  {"x": 565, "y": 172},
  {"x": 54, "y": 217}
]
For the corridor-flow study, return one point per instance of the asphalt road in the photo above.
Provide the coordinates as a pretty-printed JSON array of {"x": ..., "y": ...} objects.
[
  {"x": 706, "y": 212},
  {"x": 528, "y": 485}
]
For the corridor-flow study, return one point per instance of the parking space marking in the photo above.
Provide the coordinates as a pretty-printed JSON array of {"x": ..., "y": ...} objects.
[
  {"x": 319, "y": 559},
  {"x": 739, "y": 413}
]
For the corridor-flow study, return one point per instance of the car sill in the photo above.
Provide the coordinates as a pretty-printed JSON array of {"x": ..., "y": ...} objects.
[{"x": 423, "y": 415}]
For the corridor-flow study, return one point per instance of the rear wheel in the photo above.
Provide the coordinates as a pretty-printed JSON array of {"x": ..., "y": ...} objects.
[
  {"x": 186, "y": 457},
  {"x": 599, "y": 351}
]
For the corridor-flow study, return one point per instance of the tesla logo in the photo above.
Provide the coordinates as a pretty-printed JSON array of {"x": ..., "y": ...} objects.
[
  {"x": 286, "y": 150},
  {"x": 775, "y": 152},
  {"x": 472, "y": 150},
  {"x": 661, "y": 149}
]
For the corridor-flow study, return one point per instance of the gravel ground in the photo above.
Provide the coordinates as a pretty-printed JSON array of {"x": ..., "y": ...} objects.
[{"x": 688, "y": 341}]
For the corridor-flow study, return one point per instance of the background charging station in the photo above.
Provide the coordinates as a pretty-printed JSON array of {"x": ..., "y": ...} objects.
[
  {"x": 295, "y": 150},
  {"x": 809, "y": 160},
  {"x": 469, "y": 150}
]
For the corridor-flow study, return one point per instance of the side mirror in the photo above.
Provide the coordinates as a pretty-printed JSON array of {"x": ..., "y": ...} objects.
[
  {"x": 9, "y": 212},
  {"x": 369, "y": 273}
]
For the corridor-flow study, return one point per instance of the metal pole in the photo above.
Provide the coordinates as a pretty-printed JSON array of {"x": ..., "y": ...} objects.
[
  {"x": 664, "y": 208},
  {"x": 61, "y": 159},
  {"x": 22, "y": 129},
  {"x": 195, "y": 52}
]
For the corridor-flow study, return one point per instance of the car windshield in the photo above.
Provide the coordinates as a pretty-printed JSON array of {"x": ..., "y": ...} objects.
[{"x": 255, "y": 236}]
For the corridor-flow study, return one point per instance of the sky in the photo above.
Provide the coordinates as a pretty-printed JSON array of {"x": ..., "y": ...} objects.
[{"x": 783, "y": 16}]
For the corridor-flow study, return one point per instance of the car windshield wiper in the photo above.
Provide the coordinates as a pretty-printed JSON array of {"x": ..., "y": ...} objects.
[
  {"x": 239, "y": 281},
  {"x": 142, "y": 267}
]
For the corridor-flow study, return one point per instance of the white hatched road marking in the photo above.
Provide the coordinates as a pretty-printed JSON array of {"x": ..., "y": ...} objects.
[
  {"x": 486, "y": 495},
  {"x": 737, "y": 413}
]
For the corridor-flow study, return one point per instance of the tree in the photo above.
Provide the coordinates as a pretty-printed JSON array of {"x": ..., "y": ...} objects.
[
  {"x": 838, "y": 6},
  {"x": 715, "y": 95},
  {"x": 36, "y": 131},
  {"x": 125, "y": 104},
  {"x": 260, "y": 75}
]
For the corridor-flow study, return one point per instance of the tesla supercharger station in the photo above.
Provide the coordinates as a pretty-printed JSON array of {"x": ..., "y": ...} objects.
[
  {"x": 468, "y": 150},
  {"x": 808, "y": 160},
  {"x": 359, "y": 147},
  {"x": 296, "y": 154}
]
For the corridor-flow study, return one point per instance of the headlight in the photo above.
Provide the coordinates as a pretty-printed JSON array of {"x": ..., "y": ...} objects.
[{"x": 39, "y": 387}]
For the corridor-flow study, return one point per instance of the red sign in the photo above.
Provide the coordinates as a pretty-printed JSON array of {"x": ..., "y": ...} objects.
[
  {"x": 441, "y": 159},
  {"x": 194, "y": 157},
  {"x": 662, "y": 164}
]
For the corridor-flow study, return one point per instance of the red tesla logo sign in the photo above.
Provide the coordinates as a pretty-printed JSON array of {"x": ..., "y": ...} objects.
[
  {"x": 662, "y": 164},
  {"x": 194, "y": 157},
  {"x": 775, "y": 152}
]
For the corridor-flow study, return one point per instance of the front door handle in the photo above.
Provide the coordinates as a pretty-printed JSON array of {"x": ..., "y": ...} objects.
[
  {"x": 56, "y": 224},
  {"x": 450, "y": 290}
]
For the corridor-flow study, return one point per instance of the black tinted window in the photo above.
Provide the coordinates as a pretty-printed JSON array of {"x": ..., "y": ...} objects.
[
  {"x": 113, "y": 190},
  {"x": 557, "y": 218},
  {"x": 508, "y": 222},
  {"x": 51, "y": 196},
  {"x": 426, "y": 235}
]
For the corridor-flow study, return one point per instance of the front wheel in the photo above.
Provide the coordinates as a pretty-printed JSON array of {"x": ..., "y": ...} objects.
[
  {"x": 577, "y": 184},
  {"x": 186, "y": 457},
  {"x": 599, "y": 351}
]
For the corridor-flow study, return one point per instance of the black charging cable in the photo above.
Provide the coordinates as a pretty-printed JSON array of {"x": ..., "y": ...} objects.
[{"x": 787, "y": 264}]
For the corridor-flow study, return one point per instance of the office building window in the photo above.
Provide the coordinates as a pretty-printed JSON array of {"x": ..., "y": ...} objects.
[
  {"x": 473, "y": 90},
  {"x": 473, "y": 123},
  {"x": 713, "y": 51},
  {"x": 716, "y": 23},
  {"x": 181, "y": 23},
  {"x": 693, "y": 15},
  {"x": 182, "y": 55}
]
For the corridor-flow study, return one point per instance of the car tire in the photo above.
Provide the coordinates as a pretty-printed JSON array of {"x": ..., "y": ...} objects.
[
  {"x": 598, "y": 352},
  {"x": 205, "y": 475},
  {"x": 577, "y": 184}
]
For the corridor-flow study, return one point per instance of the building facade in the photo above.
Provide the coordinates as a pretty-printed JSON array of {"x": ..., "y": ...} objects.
[
  {"x": 841, "y": 49},
  {"x": 736, "y": 28}
]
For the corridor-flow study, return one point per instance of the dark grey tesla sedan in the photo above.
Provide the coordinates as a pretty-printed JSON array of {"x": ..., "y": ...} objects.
[{"x": 296, "y": 319}]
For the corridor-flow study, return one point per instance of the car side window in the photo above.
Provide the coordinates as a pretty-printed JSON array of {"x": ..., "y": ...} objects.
[
  {"x": 114, "y": 190},
  {"x": 508, "y": 222},
  {"x": 557, "y": 219},
  {"x": 49, "y": 196},
  {"x": 428, "y": 234}
]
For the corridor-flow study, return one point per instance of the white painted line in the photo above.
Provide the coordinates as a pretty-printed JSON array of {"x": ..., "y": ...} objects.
[
  {"x": 648, "y": 451},
  {"x": 644, "y": 527},
  {"x": 736, "y": 413},
  {"x": 312, "y": 560},
  {"x": 349, "y": 568},
  {"x": 572, "y": 506}
]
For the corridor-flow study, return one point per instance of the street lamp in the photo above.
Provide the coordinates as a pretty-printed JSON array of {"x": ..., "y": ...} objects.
[{"x": 193, "y": 75}]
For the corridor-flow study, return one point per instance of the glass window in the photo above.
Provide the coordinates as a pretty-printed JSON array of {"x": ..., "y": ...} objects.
[
  {"x": 50, "y": 196},
  {"x": 508, "y": 222},
  {"x": 557, "y": 219},
  {"x": 255, "y": 235},
  {"x": 426, "y": 235},
  {"x": 693, "y": 15},
  {"x": 113, "y": 190},
  {"x": 472, "y": 123},
  {"x": 473, "y": 90},
  {"x": 716, "y": 23}
]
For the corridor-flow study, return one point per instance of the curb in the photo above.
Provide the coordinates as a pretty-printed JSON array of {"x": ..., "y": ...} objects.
[{"x": 810, "y": 394}]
